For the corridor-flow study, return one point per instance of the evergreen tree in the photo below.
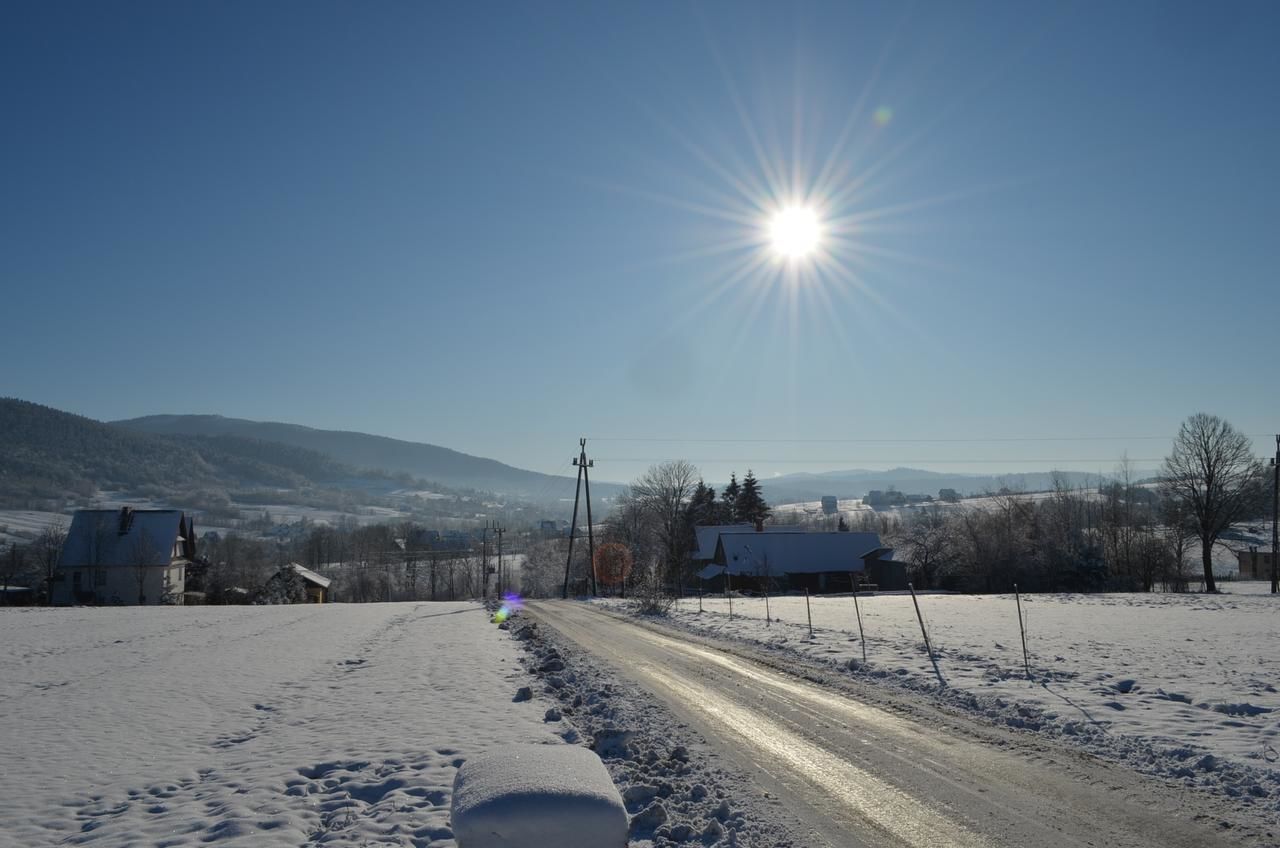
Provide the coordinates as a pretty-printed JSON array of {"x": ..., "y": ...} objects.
[
  {"x": 749, "y": 505},
  {"x": 729, "y": 500},
  {"x": 703, "y": 508}
]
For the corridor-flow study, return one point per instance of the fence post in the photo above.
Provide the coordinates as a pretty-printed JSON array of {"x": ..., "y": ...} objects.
[
  {"x": 768, "y": 621},
  {"x": 1022, "y": 628},
  {"x": 807, "y": 612},
  {"x": 927, "y": 646},
  {"x": 728, "y": 590},
  {"x": 861, "y": 636},
  {"x": 701, "y": 586}
]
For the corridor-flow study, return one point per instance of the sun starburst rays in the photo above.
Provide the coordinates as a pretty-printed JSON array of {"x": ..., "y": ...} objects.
[{"x": 789, "y": 227}]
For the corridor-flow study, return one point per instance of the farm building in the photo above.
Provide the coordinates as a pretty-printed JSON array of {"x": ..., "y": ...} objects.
[
  {"x": 708, "y": 535},
  {"x": 317, "y": 586},
  {"x": 819, "y": 562},
  {"x": 308, "y": 587}
]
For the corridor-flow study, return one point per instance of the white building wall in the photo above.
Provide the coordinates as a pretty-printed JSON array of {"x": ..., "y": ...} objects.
[{"x": 120, "y": 584}]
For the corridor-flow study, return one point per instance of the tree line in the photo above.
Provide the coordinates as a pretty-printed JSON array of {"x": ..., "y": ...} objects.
[{"x": 1123, "y": 536}]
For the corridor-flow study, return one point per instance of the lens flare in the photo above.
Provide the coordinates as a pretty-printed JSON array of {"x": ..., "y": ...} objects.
[{"x": 511, "y": 604}]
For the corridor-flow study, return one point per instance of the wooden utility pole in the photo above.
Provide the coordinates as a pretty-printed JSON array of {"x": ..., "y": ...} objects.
[
  {"x": 591, "y": 538},
  {"x": 499, "y": 530},
  {"x": 583, "y": 464},
  {"x": 484, "y": 557}
]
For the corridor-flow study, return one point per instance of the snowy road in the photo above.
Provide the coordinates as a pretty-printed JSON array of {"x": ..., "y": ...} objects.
[{"x": 905, "y": 774}]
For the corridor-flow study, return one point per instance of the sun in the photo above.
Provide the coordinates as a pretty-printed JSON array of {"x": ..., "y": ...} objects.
[{"x": 795, "y": 232}]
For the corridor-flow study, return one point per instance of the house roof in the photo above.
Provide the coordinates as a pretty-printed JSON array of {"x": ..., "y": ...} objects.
[
  {"x": 794, "y": 553},
  {"x": 95, "y": 537},
  {"x": 310, "y": 576},
  {"x": 709, "y": 534}
]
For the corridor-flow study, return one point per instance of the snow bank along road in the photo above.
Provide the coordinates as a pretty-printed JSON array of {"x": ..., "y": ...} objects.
[
  {"x": 904, "y": 775},
  {"x": 339, "y": 724}
]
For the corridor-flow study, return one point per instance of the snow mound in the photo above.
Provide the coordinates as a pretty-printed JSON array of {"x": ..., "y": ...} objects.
[{"x": 537, "y": 795}]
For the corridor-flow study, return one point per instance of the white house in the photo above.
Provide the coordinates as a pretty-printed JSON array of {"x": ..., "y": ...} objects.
[{"x": 125, "y": 556}]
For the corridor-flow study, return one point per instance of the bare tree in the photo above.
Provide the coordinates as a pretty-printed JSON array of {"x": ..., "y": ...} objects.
[
  {"x": 543, "y": 569},
  {"x": 145, "y": 556},
  {"x": 661, "y": 493},
  {"x": 48, "y": 550},
  {"x": 929, "y": 542},
  {"x": 11, "y": 565},
  {"x": 1213, "y": 473}
]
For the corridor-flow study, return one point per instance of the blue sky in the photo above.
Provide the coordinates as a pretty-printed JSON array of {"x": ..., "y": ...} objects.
[{"x": 497, "y": 227}]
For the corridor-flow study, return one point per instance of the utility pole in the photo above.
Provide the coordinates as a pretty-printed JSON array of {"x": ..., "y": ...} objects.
[
  {"x": 583, "y": 464},
  {"x": 499, "y": 530},
  {"x": 573, "y": 527},
  {"x": 591, "y": 538},
  {"x": 1275, "y": 514},
  {"x": 484, "y": 558}
]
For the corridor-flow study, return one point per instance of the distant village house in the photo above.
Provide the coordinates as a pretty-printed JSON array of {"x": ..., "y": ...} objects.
[
  {"x": 1254, "y": 564},
  {"x": 791, "y": 560},
  {"x": 127, "y": 556}
]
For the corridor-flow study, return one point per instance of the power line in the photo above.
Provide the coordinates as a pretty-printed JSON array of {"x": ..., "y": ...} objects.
[
  {"x": 983, "y": 440},
  {"x": 880, "y": 460}
]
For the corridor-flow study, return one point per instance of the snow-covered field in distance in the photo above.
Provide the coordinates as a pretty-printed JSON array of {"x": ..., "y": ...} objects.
[
  {"x": 23, "y": 525},
  {"x": 257, "y": 726},
  {"x": 989, "y": 502},
  {"x": 1160, "y": 680}
]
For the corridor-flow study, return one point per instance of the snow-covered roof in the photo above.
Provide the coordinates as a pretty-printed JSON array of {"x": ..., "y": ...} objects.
[
  {"x": 709, "y": 534},
  {"x": 794, "y": 553},
  {"x": 310, "y": 576},
  {"x": 95, "y": 537}
]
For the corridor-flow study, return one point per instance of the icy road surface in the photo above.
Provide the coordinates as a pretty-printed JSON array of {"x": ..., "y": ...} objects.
[{"x": 860, "y": 774}]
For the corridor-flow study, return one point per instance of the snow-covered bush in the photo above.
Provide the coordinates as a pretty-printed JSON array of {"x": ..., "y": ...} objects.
[{"x": 284, "y": 587}]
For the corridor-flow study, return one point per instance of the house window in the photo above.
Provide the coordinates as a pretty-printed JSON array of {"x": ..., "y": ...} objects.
[{"x": 99, "y": 577}]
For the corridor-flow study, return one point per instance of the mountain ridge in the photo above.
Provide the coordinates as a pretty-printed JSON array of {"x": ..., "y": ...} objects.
[{"x": 366, "y": 450}]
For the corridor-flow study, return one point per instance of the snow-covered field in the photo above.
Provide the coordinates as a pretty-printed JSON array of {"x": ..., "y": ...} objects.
[
  {"x": 23, "y": 525},
  {"x": 1161, "y": 681},
  {"x": 335, "y": 724}
]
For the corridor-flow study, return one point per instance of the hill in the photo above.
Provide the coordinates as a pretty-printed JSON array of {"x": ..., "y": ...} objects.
[
  {"x": 394, "y": 456},
  {"x": 49, "y": 455}
]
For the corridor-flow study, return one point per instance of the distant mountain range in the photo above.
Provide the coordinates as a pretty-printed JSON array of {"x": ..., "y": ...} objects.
[
  {"x": 394, "y": 456},
  {"x": 198, "y": 460},
  {"x": 50, "y": 455}
]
